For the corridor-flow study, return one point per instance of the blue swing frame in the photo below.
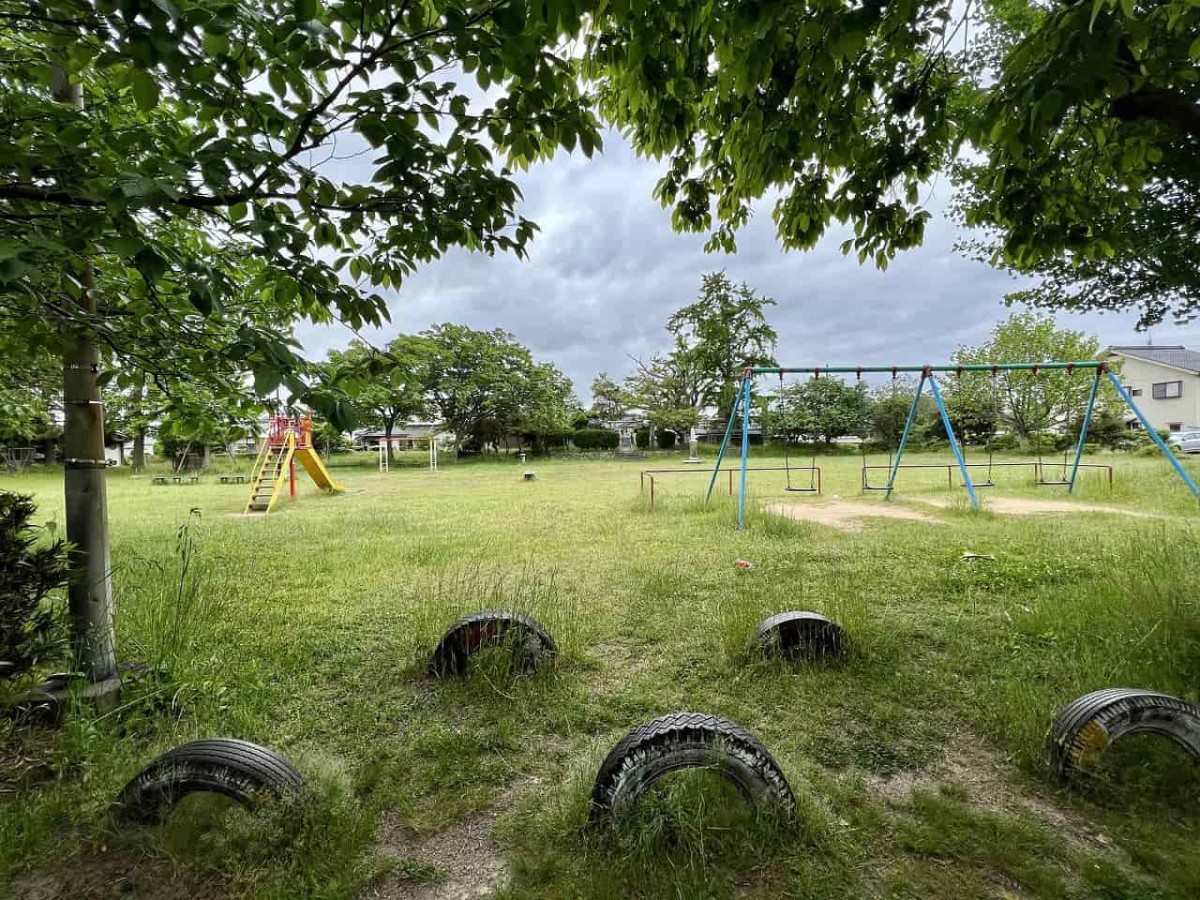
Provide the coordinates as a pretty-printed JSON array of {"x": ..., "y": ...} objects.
[{"x": 928, "y": 376}]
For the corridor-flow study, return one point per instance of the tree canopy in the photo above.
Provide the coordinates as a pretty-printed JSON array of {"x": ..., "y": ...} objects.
[
  {"x": 1077, "y": 123},
  {"x": 713, "y": 340},
  {"x": 1090, "y": 173},
  {"x": 485, "y": 386},
  {"x": 819, "y": 409},
  {"x": 719, "y": 334},
  {"x": 384, "y": 387},
  {"x": 324, "y": 140},
  {"x": 1024, "y": 403}
]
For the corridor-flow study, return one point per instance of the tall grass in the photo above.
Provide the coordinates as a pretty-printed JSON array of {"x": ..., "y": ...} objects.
[{"x": 168, "y": 606}]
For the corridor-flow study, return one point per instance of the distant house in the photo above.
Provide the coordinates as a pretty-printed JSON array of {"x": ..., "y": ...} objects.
[
  {"x": 1164, "y": 382},
  {"x": 405, "y": 436}
]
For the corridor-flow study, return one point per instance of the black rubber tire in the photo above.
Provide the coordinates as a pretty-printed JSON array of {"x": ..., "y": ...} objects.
[
  {"x": 688, "y": 740},
  {"x": 1082, "y": 730},
  {"x": 240, "y": 770},
  {"x": 801, "y": 634},
  {"x": 530, "y": 641}
]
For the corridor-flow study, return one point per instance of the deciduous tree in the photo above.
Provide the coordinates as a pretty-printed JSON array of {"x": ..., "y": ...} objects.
[
  {"x": 718, "y": 335},
  {"x": 485, "y": 385},
  {"x": 385, "y": 387},
  {"x": 819, "y": 409},
  {"x": 1025, "y": 403},
  {"x": 118, "y": 120}
]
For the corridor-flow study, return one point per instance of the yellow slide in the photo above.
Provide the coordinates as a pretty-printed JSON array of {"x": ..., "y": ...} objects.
[{"x": 317, "y": 471}]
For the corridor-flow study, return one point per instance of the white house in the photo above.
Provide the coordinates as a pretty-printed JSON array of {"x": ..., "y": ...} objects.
[
  {"x": 404, "y": 436},
  {"x": 1164, "y": 382}
]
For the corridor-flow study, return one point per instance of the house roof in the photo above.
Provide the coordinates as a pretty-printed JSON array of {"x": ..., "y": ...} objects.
[{"x": 1178, "y": 357}]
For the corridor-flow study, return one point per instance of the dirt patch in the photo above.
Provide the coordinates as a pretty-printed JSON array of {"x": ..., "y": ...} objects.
[
  {"x": 994, "y": 784},
  {"x": 462, "y": 859},
  {"x": 845, "y": 515},
  {"x": 1028, "y": 506},
  {"x": 111, "y": 876}
]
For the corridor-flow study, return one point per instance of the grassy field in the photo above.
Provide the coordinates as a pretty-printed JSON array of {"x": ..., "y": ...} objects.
[{"x": 917, "y": 762}]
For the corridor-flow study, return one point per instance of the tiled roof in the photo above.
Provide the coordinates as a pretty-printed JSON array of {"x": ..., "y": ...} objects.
[{"x": 1179, "y": 357}]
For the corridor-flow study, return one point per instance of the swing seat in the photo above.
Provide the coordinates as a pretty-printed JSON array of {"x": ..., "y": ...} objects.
[{"x": 800, "y": 490}]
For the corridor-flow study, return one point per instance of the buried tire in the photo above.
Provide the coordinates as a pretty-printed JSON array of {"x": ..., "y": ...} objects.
[
  {"x": 529, "y": 641},
  {"x": 687, "y": 740},
  {"x": 800, "y": 635},
  {"x": 1082, "y": 730},
  {"x": 237, "y": 769}
]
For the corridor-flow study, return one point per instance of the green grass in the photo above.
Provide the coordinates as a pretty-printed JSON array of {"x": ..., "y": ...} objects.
[{"x": 917, "y": 761}]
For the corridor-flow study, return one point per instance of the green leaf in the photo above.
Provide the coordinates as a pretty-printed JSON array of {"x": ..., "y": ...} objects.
[
  {"x": 1194, "y": 50},
  {"x": 266, "y": 380},
  {"x": 145, "y": 89},
  {"x": 278, "y": 82},
  {"x": 306, "y": 9}
]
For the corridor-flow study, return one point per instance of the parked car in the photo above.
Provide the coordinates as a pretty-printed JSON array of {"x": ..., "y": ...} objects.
[{"x": 1187, "y": 441}]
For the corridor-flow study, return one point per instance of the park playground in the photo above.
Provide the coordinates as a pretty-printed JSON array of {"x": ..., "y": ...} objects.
[{"x": 917, "y": 761}]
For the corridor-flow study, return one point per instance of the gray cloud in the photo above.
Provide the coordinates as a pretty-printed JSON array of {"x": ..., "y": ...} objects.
[{"x": 607, "y": 270}]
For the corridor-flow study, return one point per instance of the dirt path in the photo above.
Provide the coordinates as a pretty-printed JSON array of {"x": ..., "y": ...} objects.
[
  {"x": 463, "y": 855},
  {"x": 1028, "y": 506},
  {"x": 847, "y": 515},
  {"x": 993, "y": 783}
]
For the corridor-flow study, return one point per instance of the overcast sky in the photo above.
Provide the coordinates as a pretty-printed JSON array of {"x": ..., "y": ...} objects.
[{"x": 606, "y": 271}]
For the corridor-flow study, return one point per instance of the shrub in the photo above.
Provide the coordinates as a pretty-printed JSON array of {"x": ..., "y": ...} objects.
[
  {"x": 642, "y": 437},
  {"x": 1043, "y": 443},
  {"x": 1002, "y": 442},
  {"x": 595, "y": 439},
  {"x": 30, "y": 576},
  {"x": 666, "y": 440}
]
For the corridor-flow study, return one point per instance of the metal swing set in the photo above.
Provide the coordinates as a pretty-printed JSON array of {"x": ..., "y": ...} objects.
[{"x": 928, "y": 375}]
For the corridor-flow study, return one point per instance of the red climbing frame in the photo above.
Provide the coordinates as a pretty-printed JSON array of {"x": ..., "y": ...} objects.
[{"x": 282, "y": 426}]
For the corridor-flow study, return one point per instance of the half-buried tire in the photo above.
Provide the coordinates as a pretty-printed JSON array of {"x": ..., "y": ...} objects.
[
  {"x": 529, "y": 642},
  {"x": 1084, "y": 729},
  {"x": 243, "y": 771},
  {"x": 688, "y": 740},
  {"x": 800, "y": 635}
]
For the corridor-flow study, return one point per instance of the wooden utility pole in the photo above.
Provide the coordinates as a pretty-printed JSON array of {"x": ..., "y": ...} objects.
[{"x": 90, "y": 589}]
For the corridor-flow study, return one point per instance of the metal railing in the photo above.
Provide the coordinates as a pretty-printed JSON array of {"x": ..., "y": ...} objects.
[
  {"x": 1038, "y": 471},
  {"x": 647, "y": 475}
]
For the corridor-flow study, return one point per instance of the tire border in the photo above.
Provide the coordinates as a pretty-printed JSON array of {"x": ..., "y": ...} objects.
[
  {"x": 831, "y": 637},
  {"x": 732, "y": 749},
  {"x": 241, "y": 770},
  {"x": 1084, "y": 728},
  {"x": 467, "y": 636}
]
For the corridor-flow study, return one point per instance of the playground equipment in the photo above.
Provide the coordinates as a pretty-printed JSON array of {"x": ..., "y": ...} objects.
[
  {"x": 385, "y": 459},
  {"x": 814, "y": 480},
  {"x": 288, "y": 440},
  {"x": 928, "y": 376}
]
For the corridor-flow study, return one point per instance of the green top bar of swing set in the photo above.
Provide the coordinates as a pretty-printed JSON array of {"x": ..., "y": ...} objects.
[{"x": 863, "y": 370}]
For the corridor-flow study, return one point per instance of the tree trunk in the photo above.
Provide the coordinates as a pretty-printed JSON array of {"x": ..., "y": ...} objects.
[
  {"x": 388, "y": 427},
  {"x": 90, "y": 590},
  {"x": 139, "y": 431}
]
